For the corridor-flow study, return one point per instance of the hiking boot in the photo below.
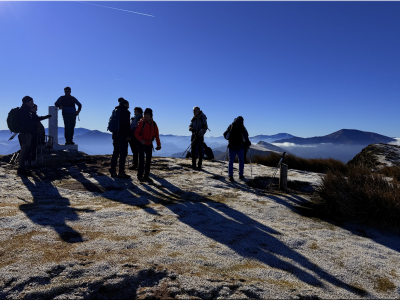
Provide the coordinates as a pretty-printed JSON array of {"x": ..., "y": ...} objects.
[
  {"x": 141, "y": 179},
  {"x": 113, "y": 173},
  {"x": 134, "y": 167},
  {"x": 23, "y": 172},
  {"x": 147, "y": 178},
  {"x": 231, "y": 178},
  {"x": 199, "y": 168},
  {"x": 241, "y": 177},
  {"x": 123, "y": 175}
]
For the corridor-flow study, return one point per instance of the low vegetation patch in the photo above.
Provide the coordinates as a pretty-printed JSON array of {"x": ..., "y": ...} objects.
[
  {"x": 318, "y": 165},
  {"x": 362, "y": 196}
]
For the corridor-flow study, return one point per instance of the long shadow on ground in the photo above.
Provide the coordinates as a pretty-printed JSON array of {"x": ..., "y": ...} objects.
[
  {"x": 51, "y": 209},
  {"x": 239, "y": 232}
]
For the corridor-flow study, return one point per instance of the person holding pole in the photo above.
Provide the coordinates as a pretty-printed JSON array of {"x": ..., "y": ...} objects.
[{"x": 198, "y": 126}]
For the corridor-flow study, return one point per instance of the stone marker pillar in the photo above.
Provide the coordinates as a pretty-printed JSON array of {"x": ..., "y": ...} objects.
[
  {"x": 53, "y": 130},
  {"x": 53, "y": 124},
  {"x": 283, "y": 177}
]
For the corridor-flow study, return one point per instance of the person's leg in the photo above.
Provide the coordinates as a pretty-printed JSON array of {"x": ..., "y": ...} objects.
[
  {"x": 149, "y": 154},
  {"x": 73, "y": 123},
  {"x": 194, "y": 153},
  {"x": 34, "y": 143},
  {"x": 232, "y": 155},
  {"x": 241, "y": 162},
  {"x": 25, "y": 143},
  {"x": 66, "y": 128},
  {"x": 123, "y": 152},
  {"x": 135, "y": 152},
  {"x": 141, "y": 160},
  {"x": 114, "y": 157},
  {"x": 200, "y": 151}
]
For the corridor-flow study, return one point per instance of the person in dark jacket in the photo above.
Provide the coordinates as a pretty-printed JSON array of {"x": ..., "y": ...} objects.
[
  {"x": 238, "y": 138},
  {"x": 27, "y": 128},
  {"x": 121, "y": 139},
  {"x": 198, "y": 126},
  {"x": 133, "y": 143},
  {"x": 67, "y": 104},
  {"x": 37, "y": 136}
]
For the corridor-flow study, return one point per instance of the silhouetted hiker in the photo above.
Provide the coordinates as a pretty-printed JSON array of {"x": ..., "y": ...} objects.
[
  {"x": 26, "y": 132},
  {"x": 138, "y": 111},
  {"x": 146, "y": 132},
  {"x": 207, "y": 152},
  {"x": 198, "y": 127},
  {"x": 120, "y": 127},
  {"x": 38, "y": 136},
  {"x": 238, "y": 138},
  {"x": 67, "y": 104}
]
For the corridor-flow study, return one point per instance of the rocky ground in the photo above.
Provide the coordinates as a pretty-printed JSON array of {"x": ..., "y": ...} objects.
[
  {"x": 377, "y": 156},
  {"x": 70, "y": 231}
]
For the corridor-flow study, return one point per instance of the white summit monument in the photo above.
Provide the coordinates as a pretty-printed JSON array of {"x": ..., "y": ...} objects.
[{"x": 53, "y": 130}]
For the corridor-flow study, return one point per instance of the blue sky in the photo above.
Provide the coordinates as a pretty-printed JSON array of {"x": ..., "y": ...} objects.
[{"x": 305, "y": 68}]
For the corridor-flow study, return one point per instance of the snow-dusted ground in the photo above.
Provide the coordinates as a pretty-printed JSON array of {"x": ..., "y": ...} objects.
[{"x": 76, "y": 233}]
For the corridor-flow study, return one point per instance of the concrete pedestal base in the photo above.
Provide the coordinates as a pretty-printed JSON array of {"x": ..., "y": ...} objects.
[{"x": 65, "y": 147}]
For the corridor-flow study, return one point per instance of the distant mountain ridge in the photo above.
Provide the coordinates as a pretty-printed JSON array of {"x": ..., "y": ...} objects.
[{"x": 343, "y": 136}]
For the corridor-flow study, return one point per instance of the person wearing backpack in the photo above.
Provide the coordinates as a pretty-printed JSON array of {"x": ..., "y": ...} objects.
[
  {"x": 138, "y": 111},
  {"x": 67, "y": 104},
  {"x": 238, "y": 138},
  {"x": 121, "y": 134},
  {"x": 146, "y": 132},
  {"x": 198, "y": 126},
  {"x": 37, "y": 136},
  {"x": 26, "y": 130}
]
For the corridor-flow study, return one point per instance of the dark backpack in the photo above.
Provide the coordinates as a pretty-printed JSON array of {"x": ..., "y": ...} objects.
[
  {"x": 13, "y": 120},
  {"x": 236, "y": 136},
  {"x": 113, "y": 123}
]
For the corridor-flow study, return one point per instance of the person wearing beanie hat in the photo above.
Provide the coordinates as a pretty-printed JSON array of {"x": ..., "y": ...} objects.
[
  {"x": 27, "y": 128},
  {"x": 67, "y": 104},
  {"x": 198, "y": 126},
  {"x": 238, "y": 138},
  {"x": 146, "y": 132},
  {"x": 121, "y": 139}
]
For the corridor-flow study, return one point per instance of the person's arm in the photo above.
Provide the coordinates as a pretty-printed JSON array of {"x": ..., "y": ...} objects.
[
  {"x": 44, "y": 117},
  {"x": 79, "y": 105},
  {"x": 156, "y": 134},
  {"x": 191, "y": 125},
  {"x": 227, "y": 131},
  {"x": 58, "y": 102}
]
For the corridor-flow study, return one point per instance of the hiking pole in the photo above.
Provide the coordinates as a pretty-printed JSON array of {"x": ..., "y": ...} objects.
[
  {"x": 191, "y": 144},
  {"x": 276, "y": 170}
]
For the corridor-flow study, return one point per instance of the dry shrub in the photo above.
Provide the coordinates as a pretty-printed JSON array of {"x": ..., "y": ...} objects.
[
  {"x": 393, "y": 172},
  {"x": 361, "y": 196},
  {"x": 319, "y": 165}
]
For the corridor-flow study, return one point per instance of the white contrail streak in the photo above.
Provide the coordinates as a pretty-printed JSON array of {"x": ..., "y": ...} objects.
[{"x": 133, "y": 12}]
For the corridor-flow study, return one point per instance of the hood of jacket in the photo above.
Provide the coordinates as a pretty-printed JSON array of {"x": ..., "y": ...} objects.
[{"x": 201, "y": 114}]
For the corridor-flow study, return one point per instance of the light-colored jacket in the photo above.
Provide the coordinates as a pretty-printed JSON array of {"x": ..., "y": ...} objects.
[{"x": 199, "y": 124}]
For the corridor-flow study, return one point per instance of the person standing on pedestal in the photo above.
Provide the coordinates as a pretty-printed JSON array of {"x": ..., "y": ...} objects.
[{"x": 67, "y": 104}]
